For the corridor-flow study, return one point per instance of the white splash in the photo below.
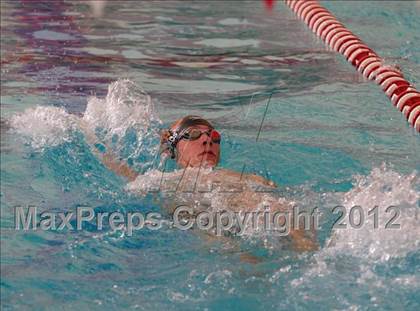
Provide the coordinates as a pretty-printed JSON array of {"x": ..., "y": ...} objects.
[
  {"x": 125, "y": 106},
  {"x": 382, "y": 188},
  {"x": 127, "y": 109},
  {"x": 356, "y": 252},
  {"x": 45, "y": 126}
]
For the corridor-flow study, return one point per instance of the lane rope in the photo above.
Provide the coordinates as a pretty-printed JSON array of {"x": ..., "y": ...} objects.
[{"x": 402, "y": 94}]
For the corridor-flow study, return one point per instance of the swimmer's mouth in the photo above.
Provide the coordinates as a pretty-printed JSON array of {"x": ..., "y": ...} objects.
[{"x": 206, "y": 152}]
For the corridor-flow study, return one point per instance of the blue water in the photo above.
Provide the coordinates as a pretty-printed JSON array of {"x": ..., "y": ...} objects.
[{"x": 328, "y": 138}]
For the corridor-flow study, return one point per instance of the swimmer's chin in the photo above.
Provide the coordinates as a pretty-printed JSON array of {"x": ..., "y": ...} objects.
[{"x": 206, "y": 163}]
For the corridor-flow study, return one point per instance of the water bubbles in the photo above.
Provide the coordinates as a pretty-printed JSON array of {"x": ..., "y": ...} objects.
[
  {"x": 220, "y": 277},
  {"x": 45, "y": 126},
  {"x": 127, "y": 121},
  {"x": 382, "y": 188}
]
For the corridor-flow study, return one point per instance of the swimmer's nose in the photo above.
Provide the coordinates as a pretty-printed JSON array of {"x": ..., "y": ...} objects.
[{"x": 207, "y": 141}]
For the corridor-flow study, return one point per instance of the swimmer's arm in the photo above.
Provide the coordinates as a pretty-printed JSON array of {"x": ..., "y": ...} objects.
[
  {"x": 119, "y": 167},
  {"x": 235, "y": 247},
  {"x": 301, "y": 240},
  {"x": 261, "y": 180},
  {"x": 108, "y": 159}
]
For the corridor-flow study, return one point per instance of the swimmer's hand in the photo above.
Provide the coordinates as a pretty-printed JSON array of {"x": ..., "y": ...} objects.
[
  {"x": 249, "y": 258},
  {"x": 301, "y": 242}
]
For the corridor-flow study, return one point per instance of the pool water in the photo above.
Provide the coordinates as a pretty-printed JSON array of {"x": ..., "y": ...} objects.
[{"x": 327, "y": 138}]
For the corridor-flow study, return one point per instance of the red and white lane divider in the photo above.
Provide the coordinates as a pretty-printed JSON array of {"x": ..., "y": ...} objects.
[{"x": 403, "y": 95}]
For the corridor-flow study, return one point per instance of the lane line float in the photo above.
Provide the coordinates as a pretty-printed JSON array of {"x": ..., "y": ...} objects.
[{"x": 402, "y": 94}]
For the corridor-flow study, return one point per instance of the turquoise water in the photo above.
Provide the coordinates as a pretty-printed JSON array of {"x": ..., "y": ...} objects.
[{"x": 328, "y": 138}]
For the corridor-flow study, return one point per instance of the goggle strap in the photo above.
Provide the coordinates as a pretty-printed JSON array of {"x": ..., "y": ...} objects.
[{"x": 191, "y": 121}]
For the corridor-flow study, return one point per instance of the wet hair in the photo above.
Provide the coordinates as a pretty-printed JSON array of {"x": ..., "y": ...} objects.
[{"x": 170, "y": 137}]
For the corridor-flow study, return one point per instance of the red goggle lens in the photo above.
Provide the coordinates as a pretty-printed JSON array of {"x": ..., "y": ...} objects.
[
  {"x": 196, "y": 134},
  {"x": 215, "y": 136}
]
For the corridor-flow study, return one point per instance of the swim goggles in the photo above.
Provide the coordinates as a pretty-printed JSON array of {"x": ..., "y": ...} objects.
[{"x": 195, "y": 134}]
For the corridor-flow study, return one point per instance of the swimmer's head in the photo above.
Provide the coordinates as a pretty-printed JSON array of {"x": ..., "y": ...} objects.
[{"x": 192, "y": 141}]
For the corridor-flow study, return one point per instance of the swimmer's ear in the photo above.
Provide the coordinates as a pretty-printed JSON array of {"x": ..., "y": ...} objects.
[
  {"x": 165, "y": 145},
  {"x": 164, "y": 136}
]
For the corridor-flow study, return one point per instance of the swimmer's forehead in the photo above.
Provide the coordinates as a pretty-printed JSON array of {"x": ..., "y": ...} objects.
[{"x": 191, "y": 121}]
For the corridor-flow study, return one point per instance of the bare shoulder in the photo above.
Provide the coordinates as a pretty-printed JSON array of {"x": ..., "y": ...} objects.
[{"x": 261, "y": 180}]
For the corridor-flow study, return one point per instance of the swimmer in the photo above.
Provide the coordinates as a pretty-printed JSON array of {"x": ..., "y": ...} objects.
[{"x": 194, "y": 144}]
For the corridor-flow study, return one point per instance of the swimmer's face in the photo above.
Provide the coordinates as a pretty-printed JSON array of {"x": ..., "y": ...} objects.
[{"x": 200, "y": 152}]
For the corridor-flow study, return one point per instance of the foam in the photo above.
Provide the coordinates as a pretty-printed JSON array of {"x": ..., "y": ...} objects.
[
  {"x": 45, "y": 126},
  {"x": 382, "y": 187},
  {"x": 125, "y": 106},
  {"x": 367, "y": 247},
  {"x": 125, "y": 121}
]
